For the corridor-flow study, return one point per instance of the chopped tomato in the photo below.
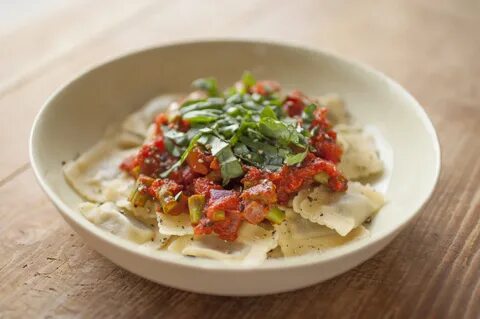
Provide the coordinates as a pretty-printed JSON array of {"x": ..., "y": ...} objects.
[
  {"x": 183, "y": 176},
  {"x": 183, "y": 125},
  {"x": 252, "y": 177},
  {"x": 151, "y": 159},
  {"x": 264, "y": 192},
  {"x": 325, "y": 140},
  {"x": 160, "y": 120},
  {"x": 226, "y": 229},
  {"x": 255, "y": 212},
  {"x": 164, "y": 185},
  {"x": 294, "y": 103},
  {"x": 338, "y": 183},
  {"x": 129, "y": 164},
  {"x": 215, "y": 164},
  {"x": 222, "y": 200},
  {"x": 289, "y": 180},
  {"x": 326, "y": 147},
  {"x": 265, "y": 87},
  {"x": 320, "y": 119},
  {"x": 204, "y": 227},
  {"x": 227, "y": 202},
  {"x": 203, "y": 186},
  {"x": 198, "y": 161}
]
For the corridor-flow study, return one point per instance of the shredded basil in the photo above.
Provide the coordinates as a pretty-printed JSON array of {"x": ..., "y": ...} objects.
[
  {"x": 238, "y": 127},
  {"x": 208, "y": 85}
]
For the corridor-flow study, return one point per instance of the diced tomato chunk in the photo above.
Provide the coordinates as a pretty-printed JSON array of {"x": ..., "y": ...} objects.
[
  {"x": 294, "y": 103},
  {"x": 252, "y": 177},
  {"x": 150, "y": 160},
  {"x": 164, "y": 185},
  {"x": 183, "y": 125},
  {"x": 128, "y": 164},
  {"x": 228, "y": 202},
  {"x": 222, "y": 200},
  {"x": 326, "y": 147},
  {"x": 160, "y": 120},
  {"x": 320, "y": 119},
  {"x": 289, "y": 180},
  {"x": 265, "y": 88},
  {"x": 264, "y": 192},
  {"x": 215, "y": 164},
  {"x": 325, "y": 139},
  {"x": 255, "y": 212},
  {"x": 228, "y": 229},
  {"x": 198, "y": 161},
  {"x": 203, "y": 186},
  {"x": 184, "y": 176},
  {"x": 204, "y": 227}
]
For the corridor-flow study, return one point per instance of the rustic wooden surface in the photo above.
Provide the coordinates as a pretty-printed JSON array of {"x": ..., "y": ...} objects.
[{"x": 432, "y": 270}]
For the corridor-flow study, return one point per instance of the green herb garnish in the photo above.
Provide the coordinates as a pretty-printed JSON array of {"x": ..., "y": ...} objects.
[{"x": 238, "y": 127}]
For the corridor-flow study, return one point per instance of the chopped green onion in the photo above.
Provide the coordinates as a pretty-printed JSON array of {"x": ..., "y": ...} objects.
[
  {"x": 293, "y": 159},
  {"x": 248, "y": 80},
  {"x": 208, "y": 85},
  {"x": 138, "y": 198},
  {"x": 196, "y": 203},
  {"x": 218, "y": 216},
  {"x": 136, "y": 171},
  {"x": 275, "y": 215},
  {"x": 167, "y": 201},
  {"x": 321, "y": 178}
]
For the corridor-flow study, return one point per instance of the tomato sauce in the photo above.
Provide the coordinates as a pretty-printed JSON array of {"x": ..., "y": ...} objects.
[{"x": 246, "y": 199}]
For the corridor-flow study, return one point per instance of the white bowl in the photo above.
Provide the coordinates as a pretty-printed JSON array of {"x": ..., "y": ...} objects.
[{"x": 76, "y": 116}]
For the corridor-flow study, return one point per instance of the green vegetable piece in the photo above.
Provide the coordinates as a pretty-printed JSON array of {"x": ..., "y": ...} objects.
[
  {"x": 167, "y": 200},
  {"x": 321, "y": 178},
  {"x": 248, "y": 79},
  {"x": 218, "y": 216},
  {"x": 138, "y": 198},
  {"x": 196, "y": 203},
  {"x": 214, "y": 103},
  {"x": 307, "y": 114},
  {"x": 230, "y": 166},
  {"x": 295, "y": 158},
  {"x": 268, "y": 112},
  {"x": 202, "y": 116},
  {"x": 208, "y": 85},
  {"x": 274, "y": 129},
  {"x": 275, "y": 215}
]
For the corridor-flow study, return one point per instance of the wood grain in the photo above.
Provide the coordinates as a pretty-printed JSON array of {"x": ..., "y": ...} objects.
[{"x": 432, "y": 270}]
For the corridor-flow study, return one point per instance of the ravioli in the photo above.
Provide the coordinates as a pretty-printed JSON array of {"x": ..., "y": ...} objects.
[
  {"x": 179, "y": 225},
  {"x": 108, "y": 217},
  {"x": 147, "y": 213},
  {"x": 97, "y": 169},
  {"x": 360, "y": 158},
  {"x": 297, "y": 236},
  {"x": 251, "y": 247},
  {"x": 341, "y": 212}
]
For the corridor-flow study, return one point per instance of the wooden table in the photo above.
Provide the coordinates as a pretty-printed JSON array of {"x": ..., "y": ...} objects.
[{"x": 432, "y": 270}]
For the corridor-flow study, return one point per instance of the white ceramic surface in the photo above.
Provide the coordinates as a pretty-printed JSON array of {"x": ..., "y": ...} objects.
[{"x": 75, "y": 117}]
